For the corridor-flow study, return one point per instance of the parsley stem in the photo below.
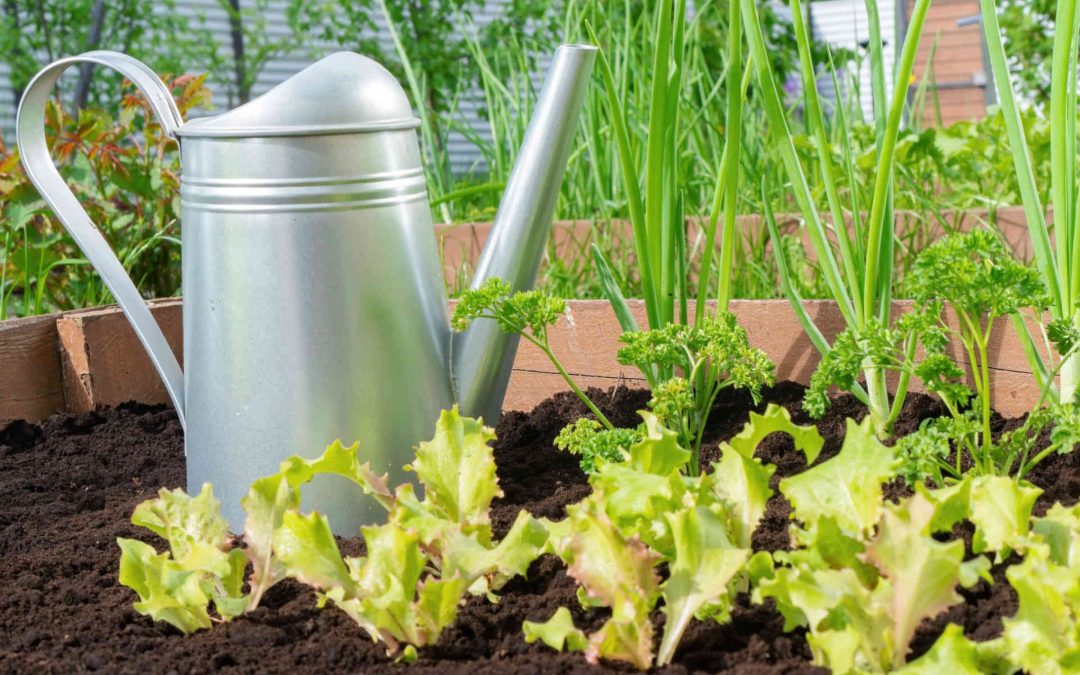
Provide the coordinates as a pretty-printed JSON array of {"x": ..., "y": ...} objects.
[{"x": 566, "y": 376}]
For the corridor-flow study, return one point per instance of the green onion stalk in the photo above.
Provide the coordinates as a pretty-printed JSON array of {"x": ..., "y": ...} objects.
[{"x": 1057, "y": 262}]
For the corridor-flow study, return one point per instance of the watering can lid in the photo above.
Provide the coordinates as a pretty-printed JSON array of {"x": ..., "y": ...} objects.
[{"x": 342, "y": 93}]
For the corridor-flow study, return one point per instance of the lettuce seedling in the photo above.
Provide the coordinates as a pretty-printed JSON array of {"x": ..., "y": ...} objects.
[
  {"x": 645, "y": 511},
  {"x": 1044, "y": 634},
  {"x": 429, "y": 554},
  {"x": 202, "y": 566},
  {"x": 863, "y": 574},
  {"x": 421, "y": 563}
]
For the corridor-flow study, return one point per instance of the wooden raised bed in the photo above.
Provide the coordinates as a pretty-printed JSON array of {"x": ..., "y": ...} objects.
[
  {"x": 461, "y": 243},
  {"x": 78, "y": 360}
]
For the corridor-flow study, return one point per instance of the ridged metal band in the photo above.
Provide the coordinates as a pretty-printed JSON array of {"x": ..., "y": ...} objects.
[
  {"x": 196, "y": 130},
  {"x": 303, "y": 194}
]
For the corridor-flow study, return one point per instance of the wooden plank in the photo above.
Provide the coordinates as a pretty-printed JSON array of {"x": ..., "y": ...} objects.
[
  {"x": 30, "y": 382},
  {"x": 586, "y": 341},
  {"x": 103, "y": 362}
]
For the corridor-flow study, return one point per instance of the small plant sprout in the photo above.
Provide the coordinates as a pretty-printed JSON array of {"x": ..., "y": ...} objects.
[
  {"x": 978, "y": 277},
  {"x": 421, "y": 564},
  {"x": 526, "y": 313},
  {"x": 712, "y": 355},
  {"x": 203, "y": 565},
  {"x": 864, "y": 572},
  {"x": 644, "y": 512}
]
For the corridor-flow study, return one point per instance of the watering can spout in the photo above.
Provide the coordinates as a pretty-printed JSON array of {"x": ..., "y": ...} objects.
[{"x": 483, "y": 355}]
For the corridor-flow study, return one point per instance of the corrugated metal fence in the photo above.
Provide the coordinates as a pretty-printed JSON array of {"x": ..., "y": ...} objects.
[
  {"x": 842, "y": 23},
  {"x": 211, "y": 15}
]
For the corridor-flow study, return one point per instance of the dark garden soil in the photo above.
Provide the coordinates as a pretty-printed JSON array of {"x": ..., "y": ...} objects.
[{"x": 68, "y": 487}]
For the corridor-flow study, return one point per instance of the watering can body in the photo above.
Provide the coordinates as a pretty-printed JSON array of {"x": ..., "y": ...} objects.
[{"x": 314, "y": 305}]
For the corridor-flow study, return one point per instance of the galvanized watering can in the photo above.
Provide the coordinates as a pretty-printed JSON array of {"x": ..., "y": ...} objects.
[{"x": 314, "y": 304}]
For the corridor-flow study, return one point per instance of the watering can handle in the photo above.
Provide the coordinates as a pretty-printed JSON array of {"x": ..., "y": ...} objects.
[{"x": 34, "y": 150}]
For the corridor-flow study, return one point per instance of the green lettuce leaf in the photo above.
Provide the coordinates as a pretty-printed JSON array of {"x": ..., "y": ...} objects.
[
  {"x": 1059, "y": 529},
  {"x": 921, "y": 573},
  {"x": 457, "y": 469},
  {"x": 863, "y": 602},
  {"x": 846, "y": 488},
  {"x": 742, "y": 481},
  {"x": 558, "y": 632},
  {"x": 955, "y": 654},
  {"x": 487, "y": 568},
  {"x": 338, "y": 460},
  {"x": 1001, "y": 511},
  {"x": 659, "y": 452},
  {"x": 307, "y": 550},
  {"x": 615, "y": 572},
  {"x": 700, "y": 575},
  {"x": 167, "y": 592},
  {"x": 193, "y": 526},
  {"x": 200, "y": 568},
  {"x": 1044, "y": 635},
  {"x": 777, "y": 418},
  {"x": 271, "y": 496}
]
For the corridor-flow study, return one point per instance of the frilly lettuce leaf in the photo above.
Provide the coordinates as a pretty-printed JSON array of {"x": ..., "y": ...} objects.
[
  {"x": 921, "y": 573},
  {"x": 952, "y": 504},
  {"x": 166, "y": 591},
  {"x": 776, "y": 418},
  {"x": 429, "y": 553},
  {"x": 615, "y": 572},
  {"x": 271, "y": 496},
  {"x": 846, "y": 488},
  {"x": 1059, "y": 529},
  {"x": 700, "y": 575},
  {"x": 558, "y": 632},
  {"x": 658, "y": 453},
  {"x": 193, "y": 527},
  {"x": 200, "y": 567},
  {"x": 862, "y": 602},
  {"x": 955, "y": 654},
  {"x": 1001, "y": 511},
  {"x": 488, "y": 568},
  {"x": 742, "y": 481},
  {"x": 825, "y": 545},
  {"x": 457, "y": 469},
  {"x": 1044, "y": 635},
  {"x": 383, "y": 592},
  {"x": 307, "y": 549}
]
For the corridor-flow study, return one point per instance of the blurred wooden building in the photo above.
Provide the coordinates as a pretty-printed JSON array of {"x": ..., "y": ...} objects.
[{"x": 951, "y": 60}]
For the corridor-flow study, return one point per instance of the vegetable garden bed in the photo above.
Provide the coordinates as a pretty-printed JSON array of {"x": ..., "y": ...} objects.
[{"x": 70, "y": 485}]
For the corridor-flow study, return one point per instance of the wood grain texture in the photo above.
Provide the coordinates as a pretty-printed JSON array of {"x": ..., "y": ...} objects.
[
  {"x": 30, "y": 383},
  {"x": 586, "y": 341},
  {"x": 104, "y": 363}
]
